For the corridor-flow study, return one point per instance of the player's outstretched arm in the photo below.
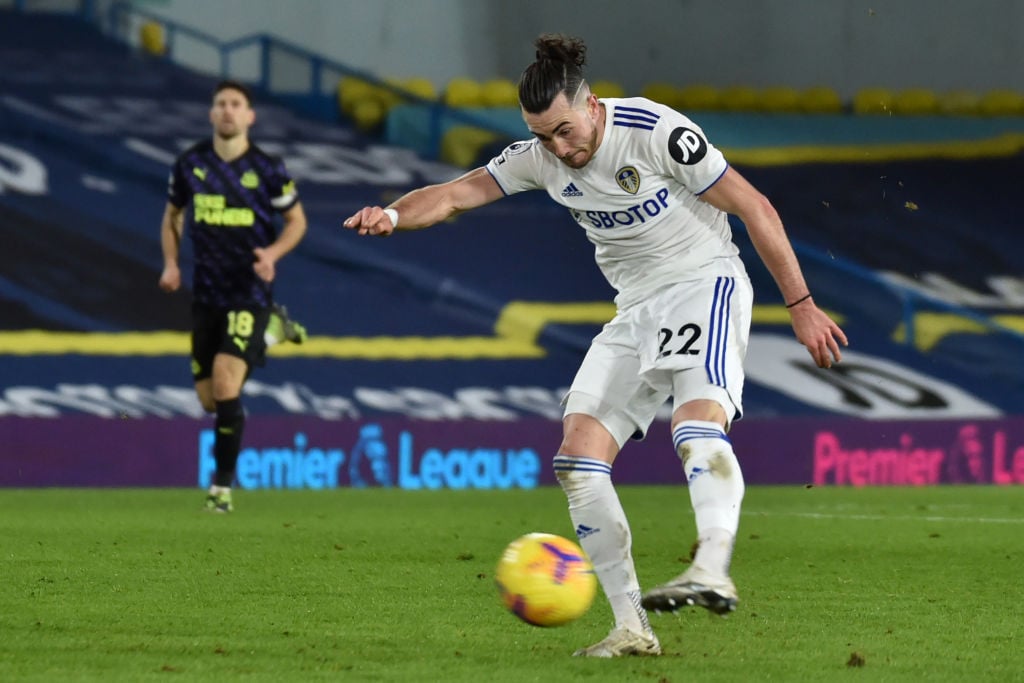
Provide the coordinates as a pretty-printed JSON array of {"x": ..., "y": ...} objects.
[
  {"x": 812, "y": 326},
  {"x": 428, "y": 205}
]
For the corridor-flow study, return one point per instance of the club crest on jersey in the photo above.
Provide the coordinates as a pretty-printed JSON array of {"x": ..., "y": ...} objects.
[
  {"x": 250, "y": 180},
  {"x": 628, "y": 179}
]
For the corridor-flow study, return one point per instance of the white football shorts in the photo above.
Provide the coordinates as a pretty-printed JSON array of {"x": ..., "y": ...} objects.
[{"x": 687, "y": 342}]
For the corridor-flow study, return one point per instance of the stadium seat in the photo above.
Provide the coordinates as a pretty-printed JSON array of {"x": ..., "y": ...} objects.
[
  {"x": 387, "y": 96},
  {"x": 1001, "y": 103},
  {"x": 820, "y": 100},
  {"x": 916, "y": 102},
  {"x": 368, "y": 114},
  {"x": 740, "y": 98},
  {"x": 365, "y": 103},
  {"x": 662, "y": 92},
  {"x": 959, "y": 102},
  {"x": 421, "y": 87},
  {"x": 607, "y": 89},
  {"x": 463, "y": 92},
  {"x": 151, "y": 37},
  {"x": 499, "y": 92},
  {"x": 779, "y": 100},
  {"x": 698, "y": 97},
  {"x": 351, "y": 91},
  {"x": 460, "y": 145},
  {"x": 873, "y": 101}
]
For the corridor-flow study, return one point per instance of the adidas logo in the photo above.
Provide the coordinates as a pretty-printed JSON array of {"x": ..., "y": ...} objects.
[
  {"x": 697, "y": 471},
  {"x": 582, "y": 531},
  {"x": 571, "y": 191}
]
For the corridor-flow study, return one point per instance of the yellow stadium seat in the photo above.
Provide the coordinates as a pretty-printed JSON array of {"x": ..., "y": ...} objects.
[
  {"x": 387, "y": 96},
  {"x": 779, "y": 99},
  {"x": 820, "y": 99},
  {"x": 739, "y": 98},
  {"x": 351, "y": 91},
  {"x": 873, "y": 101},
  {"x": 959, "y": 102},
  {"x": 421, "y": 87},
  {"x": 665, "y": 93},
  {"x": 1001, "y": 103},
  {"x": 463, "y": 92},
  {"x": 366, "y": 103},
  {"x": 916, "y": 102},
  {"x": 368, "y": 114},
  {"x": 151, "y": 36},
  {"x": 698, "y": 97},
  {"x": 499, "y": 92},
  {"x": 607, "y": 89},
  {"x": 460, "y": 145}
]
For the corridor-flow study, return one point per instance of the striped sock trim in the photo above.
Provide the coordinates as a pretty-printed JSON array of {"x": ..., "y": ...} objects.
[
  {"x": 689, "y": 431},
  {"x": 575, "y": 463}
]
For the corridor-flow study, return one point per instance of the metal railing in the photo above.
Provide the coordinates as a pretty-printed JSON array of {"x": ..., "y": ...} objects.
[{"x": 314, "y": 92}]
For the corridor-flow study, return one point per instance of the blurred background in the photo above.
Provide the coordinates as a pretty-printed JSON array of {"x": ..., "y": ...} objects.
[{"x": 889, "y": 135}]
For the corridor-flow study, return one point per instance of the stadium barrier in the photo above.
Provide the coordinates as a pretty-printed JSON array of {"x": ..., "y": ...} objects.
[{"x": 310, "y": 453}]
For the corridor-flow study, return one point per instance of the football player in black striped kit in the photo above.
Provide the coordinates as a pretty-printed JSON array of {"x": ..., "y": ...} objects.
[{"x": 230, "y": 194}]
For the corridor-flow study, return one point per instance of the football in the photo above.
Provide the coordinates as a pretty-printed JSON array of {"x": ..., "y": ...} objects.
[{"x": 545, "y": 580}]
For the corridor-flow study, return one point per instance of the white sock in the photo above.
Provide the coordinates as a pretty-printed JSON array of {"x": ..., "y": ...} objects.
[
  {"x": 716, "y": 490},
  {"x": 272, "y": 331},
  {"x": 603, "y": 532}
]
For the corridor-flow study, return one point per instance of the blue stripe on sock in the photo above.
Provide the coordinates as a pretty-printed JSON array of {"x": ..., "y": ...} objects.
[
  {"x": 572, "y": 463},
  {"x": 687, "y": 433}
]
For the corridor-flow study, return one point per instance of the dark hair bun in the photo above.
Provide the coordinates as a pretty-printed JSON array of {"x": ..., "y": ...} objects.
[{"x": 557, "y": 47}]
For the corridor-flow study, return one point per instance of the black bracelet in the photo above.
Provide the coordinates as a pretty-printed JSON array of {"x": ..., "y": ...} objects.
[{"x": 802, "y": 299}]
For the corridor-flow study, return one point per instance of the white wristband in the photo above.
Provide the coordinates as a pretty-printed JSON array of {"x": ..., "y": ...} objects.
[{"x": 393, "y": 215}]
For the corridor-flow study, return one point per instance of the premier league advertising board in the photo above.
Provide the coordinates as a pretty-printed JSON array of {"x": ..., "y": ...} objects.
[{"x": 315, "y": 454}]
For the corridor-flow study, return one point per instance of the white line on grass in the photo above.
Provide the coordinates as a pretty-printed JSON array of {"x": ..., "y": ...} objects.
[{"x": 889, "y": 518}]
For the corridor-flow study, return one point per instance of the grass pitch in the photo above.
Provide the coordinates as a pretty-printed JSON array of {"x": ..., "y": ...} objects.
[{"x": 385, "y": 585}]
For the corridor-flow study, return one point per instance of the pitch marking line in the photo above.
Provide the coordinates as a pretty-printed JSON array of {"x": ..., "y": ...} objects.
[{"x": 889, "y": 518}]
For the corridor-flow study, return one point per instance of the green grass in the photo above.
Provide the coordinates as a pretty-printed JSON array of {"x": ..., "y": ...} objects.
[{"x": 385, "y": 585}]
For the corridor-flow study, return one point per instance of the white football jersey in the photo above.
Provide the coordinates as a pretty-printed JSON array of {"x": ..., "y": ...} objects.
[{"x": 638, "y": 198}]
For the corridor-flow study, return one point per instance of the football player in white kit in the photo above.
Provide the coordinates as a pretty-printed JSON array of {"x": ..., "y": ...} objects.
[{"x": 652, "y": 194}]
